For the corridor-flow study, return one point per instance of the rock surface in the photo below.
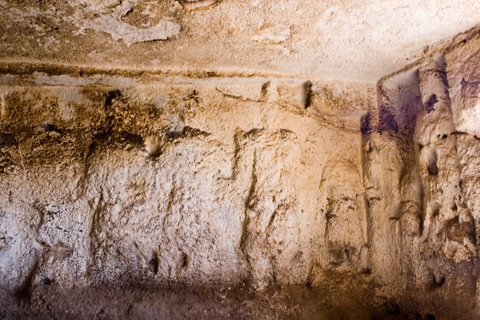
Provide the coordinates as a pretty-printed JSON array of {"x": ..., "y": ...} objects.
[
  {"x": 357, "y": 40},
  {"x": 132, "y": 192}
]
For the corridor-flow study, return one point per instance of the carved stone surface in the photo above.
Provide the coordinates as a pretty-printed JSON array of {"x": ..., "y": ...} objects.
[{"x": 143, "y": 193}]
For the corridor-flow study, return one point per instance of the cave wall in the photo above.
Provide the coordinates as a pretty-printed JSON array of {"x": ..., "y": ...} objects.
[
  {"x": 419, "y": 151},
  {"x": 198, "y": 184},
  {"x": 139, "y": 179},
  {"x": 267, "y": 183}
]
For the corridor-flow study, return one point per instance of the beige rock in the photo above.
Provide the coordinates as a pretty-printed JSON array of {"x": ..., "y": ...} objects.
[
  {"x": 291, "y": 93},
  {"x": 153, "y": 146},
  {"x": 212, "y": 176},
  {"x": 276, "y": 34}
]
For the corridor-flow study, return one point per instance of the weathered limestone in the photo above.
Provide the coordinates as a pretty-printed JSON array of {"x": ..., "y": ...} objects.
[
  {"x": 134, "y": 192},
  {"x": 140, "y": 182}
]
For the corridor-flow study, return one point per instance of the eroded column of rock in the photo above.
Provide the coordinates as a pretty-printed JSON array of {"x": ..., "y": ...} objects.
[
  {"x": 463, "y": 76},
  {"x": 448, "y": 242},
  {"x": 393, "y": 193},
  {"x": 448, "y": 222}
]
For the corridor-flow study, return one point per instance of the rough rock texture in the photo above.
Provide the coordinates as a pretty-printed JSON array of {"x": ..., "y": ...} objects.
[
  {"x": 140, "y": 192},
  {"x": 359, "y": 40},
  {"x": 255, "y": 167}
]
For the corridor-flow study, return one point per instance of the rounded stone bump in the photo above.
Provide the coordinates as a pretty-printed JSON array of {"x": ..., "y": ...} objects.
[{"x": 153, "y": 145}]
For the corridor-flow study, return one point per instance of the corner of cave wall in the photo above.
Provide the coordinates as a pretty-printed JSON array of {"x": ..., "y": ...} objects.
[{"x": 419, "y": 169}]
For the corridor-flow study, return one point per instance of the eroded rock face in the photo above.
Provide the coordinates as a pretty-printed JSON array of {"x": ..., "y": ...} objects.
[
  {"x": 166, "y": 183},
  {"x": 425, "y": 227},
  {"x": 241, "y": 197}
]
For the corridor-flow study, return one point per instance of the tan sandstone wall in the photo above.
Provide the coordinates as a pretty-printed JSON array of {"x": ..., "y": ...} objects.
[{"x": 129, "y": 194}]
